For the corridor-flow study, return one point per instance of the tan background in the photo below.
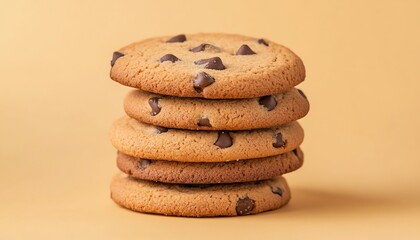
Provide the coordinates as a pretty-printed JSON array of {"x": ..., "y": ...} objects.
[{"x": 360, "y": 178}]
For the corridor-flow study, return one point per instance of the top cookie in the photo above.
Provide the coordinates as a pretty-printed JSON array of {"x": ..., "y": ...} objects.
[{"x": 212, "y": 65}]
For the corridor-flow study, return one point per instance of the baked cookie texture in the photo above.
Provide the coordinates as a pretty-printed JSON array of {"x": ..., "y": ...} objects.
[
  {"x": 208, "y": 65},
  {"x": 211, "y": 125},
  {"x": 210, "y": 172},
  {"x": 199, "y": 200},
  {"x": 142, "y": 140},
  {"x": 208, "y": 114}
]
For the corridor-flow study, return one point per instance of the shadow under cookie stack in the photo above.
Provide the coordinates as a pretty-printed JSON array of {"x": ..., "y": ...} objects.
[{"x": 211, "y": 127}]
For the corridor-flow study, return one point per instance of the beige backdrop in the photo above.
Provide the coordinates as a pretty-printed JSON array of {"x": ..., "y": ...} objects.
[{"x": 360, "y": 178}]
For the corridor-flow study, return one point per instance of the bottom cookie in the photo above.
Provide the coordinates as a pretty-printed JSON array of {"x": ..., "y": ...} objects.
[{"x": 199, "y": 200}]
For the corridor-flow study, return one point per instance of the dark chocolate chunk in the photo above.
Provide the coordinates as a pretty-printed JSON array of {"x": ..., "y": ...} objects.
[
  {"x": 169, "y": 57},
  {"x": 211, "y": 63},
  {"x": 224, "y": 140},
  {"x": 115, "y": 56},
  {"x": 245, "y": 50},
  {"x": 161, "y": 129},
  {"x": 279, "y": 141},
  {"x": 301, "y": 93},
  {"x": 177, "y": 38},
  {"x": 143, "y": 163},
  {"x": 204, "y": 122},
  {"x": 277, "y": 190},
  {"x": 203, "y": 47},
  {"x": 262, "y": 41},
  {"x": 201, "y": 81},
  {"x": 268, "y": 102},
  {"x": 154, "y": 104},
  {"x": 244, "y": 206}
]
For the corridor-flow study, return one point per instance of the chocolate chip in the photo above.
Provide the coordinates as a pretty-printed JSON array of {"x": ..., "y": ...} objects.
[
  {"x": 204, "y": 122},
  {"x": 143, "y": 163},
  {"x": 211, "y": 63},
  {"x": 244, "y": 206},
  {"x": 224, "y": 140},
  {"x": 161, "y": 129},
  {"x": 115, "y": 56},
  {"x": 301, "y": 93},
  {"x": 129, "y": 172},
  {"x": 169, "y": 57},
  {"x": 154, "y": 104},
  {"x": 262, "y": 41},
  {"x": 277, "y": 190},
  {"x": 245, "y": 50},
  {"x": 201, "y": 81},
  {"x": 203, "y": 47},
  {"x": 268, "y": 102},
  {"x": 279, "y": 141},
  {"x": 177, "y": 38}
]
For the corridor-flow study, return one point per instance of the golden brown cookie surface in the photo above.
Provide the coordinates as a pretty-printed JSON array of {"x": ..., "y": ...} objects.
[
  {"x": 220, "y": 114},
  {"x": 210, "y": 173},
  {"x": 142, "y": 140},
  {"x": 208, "y": 65},
  {"x": 202, "y": 200}
]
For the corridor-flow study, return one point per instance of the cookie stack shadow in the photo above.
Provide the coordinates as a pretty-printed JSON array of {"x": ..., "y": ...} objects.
[{"x": 211, "y": 126}]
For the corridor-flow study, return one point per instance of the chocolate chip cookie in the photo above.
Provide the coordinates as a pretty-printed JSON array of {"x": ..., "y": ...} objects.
[
  {"x": 142, "y": 140},
  {"x": 209, "y": 114},
  {"x": 210, "y": 172},
  {"x": 199, "y": 200},
  {"x": 211, "y": 125},
  {"x": 208, "y": 65}
]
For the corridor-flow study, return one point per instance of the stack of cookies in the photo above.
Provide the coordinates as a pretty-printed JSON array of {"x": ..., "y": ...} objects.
[{"x": 211, "y": 126}]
